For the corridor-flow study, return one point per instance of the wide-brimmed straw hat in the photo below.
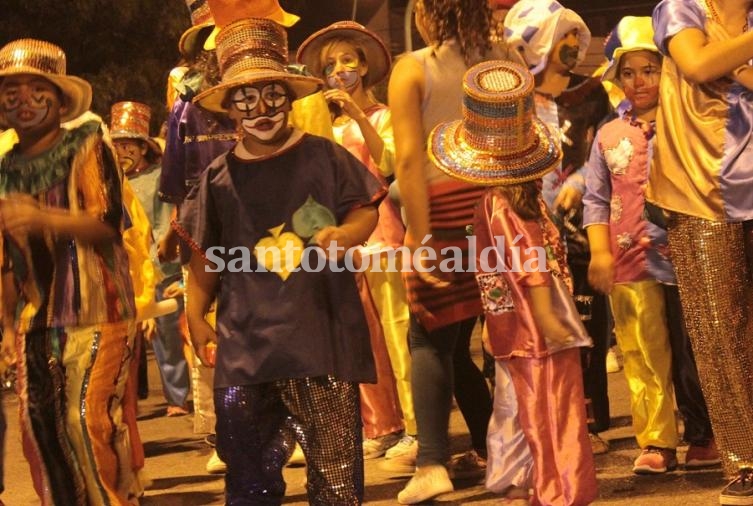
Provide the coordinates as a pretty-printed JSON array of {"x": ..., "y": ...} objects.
[
  {"x": 37, "y": 57},
  {"x": 632, "y": 33},
  {"x": 249, "y": 51},
  {"x": 499, "y": 141},
  {"x": 130, "y": 120},
  {"x": 377, "y": 56},
  {"x": 201, "y": 18}
]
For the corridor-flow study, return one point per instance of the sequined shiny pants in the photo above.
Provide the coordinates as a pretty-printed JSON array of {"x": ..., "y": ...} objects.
[
  {"x": 257, "y": 426},
  {"x": 70, "y": 386},
  {"x": 640, "y": 323},
  {"x": 713, "y": 262}
]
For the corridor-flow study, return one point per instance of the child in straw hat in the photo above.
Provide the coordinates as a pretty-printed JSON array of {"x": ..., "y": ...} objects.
[
  {"x": 68, "y": 299},
  {"x": 352, "y": 60},
  {"x": 629, "y": 262},
  {"x": 292, "y": 341},
  {"x": 534, "y": 330}
]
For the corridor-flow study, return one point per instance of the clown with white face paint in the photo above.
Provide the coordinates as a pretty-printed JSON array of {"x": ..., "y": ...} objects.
[
  {"x": 283, "y": 365},
  {"x": 261, "y": 110}
]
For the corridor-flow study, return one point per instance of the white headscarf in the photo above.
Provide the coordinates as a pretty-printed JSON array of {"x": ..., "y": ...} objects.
[{"x": 534, "y": 27}]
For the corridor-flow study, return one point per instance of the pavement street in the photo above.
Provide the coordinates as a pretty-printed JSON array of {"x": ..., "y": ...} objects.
[{"x": 176, "y": 458}]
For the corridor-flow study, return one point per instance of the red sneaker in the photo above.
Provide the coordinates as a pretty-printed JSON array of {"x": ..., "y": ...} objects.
[
  {"x": 655, "y": 460},
  {"x": 700, "y": 455}
]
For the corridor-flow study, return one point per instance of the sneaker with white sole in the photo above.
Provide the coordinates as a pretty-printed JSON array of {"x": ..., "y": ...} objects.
[
  {"x": 654, "y": 460},
  {"x": 702, "y": 454},
  {"x": 407, "y": 445},
  {"x": 401, "y": 458},
  {"x": 428, "y": 482},
  {"x": 739, "y": 492},
  {"x": 215, "y": 465},
  {"x": 374, "y": 448}
]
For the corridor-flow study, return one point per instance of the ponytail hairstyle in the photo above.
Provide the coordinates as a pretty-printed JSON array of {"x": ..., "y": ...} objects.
[{"x": 467, "y": 21}]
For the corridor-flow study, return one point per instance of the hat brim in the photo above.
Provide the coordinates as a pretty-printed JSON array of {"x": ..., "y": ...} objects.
[
  {"x": 77, "y": 92},
  {"x": 301, "y": 86},
  {"x": 377, "y": 56},
  {"x": 150, "y": 142},
  {"x": 187, "y": 42},
  {"x": 449, "y": 151},
  {"x": 610, "y": 74}
]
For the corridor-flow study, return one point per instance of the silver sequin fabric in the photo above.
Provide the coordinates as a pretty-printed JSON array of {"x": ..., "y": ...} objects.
[{"x": 258, "y": 425}]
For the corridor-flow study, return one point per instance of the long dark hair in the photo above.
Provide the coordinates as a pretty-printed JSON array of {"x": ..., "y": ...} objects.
[
  {"x": 524, "y": 199},
  {"x": 468, "y": 21}
]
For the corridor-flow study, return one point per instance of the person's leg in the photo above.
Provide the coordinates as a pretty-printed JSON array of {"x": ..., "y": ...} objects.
[
  {"x": 130, "y": 410},
  {"x": 40, "y": 381},
  {"x": 253, "y": 441},
  {"x": 688, "y": 391},
  {"x": 594, "y": 311},
  {"x": 509, "y": 462},
  {"x": 380, "y": 407},
  {"x": 432, "y": 380},
  {"x": 712, "y": 262},
  {"x": 168, "y": 351},
  {"x": 327, "y": 423},
  {"x": 96, "y": 363},
  {"x": 641, "y": 328},
  {"x": 471, "y": 390},
  {"x": 552, "y": 415}
]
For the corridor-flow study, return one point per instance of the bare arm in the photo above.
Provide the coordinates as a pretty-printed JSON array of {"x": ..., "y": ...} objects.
[
  {"x": 354, "y": 230},
  {"x": 9, "y": 300},
  {"x": 201, "y": 288},
  {"x": 21, "y": 213},
  {"x": 702, "y": 59},
  {"x": 406, "y": 89},
  {"x": 601, "y": 267}
]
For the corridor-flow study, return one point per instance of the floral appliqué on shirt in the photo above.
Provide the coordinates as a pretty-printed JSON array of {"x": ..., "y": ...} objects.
[
  {"x": 616, "y": 208},
  {"x": 624, "y": 241},
  {"x": 496, "y": 296},
  {"x": 618, "y": 157}
]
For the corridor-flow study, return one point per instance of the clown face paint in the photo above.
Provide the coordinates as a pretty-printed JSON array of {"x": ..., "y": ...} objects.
[
  {"x": 131, "y": 154},
  {"x": 343, "y": 68},
  {"x": 29, "y": 102},
  {"x": 261, "y": 110},
  {"x": 565, "y": 52},
  {"x": 640, "y": 72}
]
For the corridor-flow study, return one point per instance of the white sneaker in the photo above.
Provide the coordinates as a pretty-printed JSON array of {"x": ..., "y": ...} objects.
[
  {"x": 376, "y": 447},
  {"x": 613, "y": 365},
  {"x": 428, "y": 482},
  {"x": 407, "y": 445},
  {"x": 215, "y": 465}
]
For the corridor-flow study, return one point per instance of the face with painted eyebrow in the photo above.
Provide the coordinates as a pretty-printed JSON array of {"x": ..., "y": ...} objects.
[
  {"x": 29, "y": 102},
  {"x": 261, "y": 110}
]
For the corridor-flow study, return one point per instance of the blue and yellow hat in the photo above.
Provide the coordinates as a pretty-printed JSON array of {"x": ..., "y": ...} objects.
[{"x": 632, "y": 33}]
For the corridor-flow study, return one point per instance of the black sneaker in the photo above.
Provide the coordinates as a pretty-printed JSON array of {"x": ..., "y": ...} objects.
[{"x": 739, "y": 492}]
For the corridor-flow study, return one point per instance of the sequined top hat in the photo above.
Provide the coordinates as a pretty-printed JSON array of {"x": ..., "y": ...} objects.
[
  {"x": 37, "y": 57},
  {"x": 377, "y": 56},
  {"x": 249, "y": 51},
  {"x": 632, "y": 33},
  {"x": 201, "y": 18},
  {"x": 130, "y": 120},
  {"x": 534, "y": 27},
  {"x": 499, "y": 141}
]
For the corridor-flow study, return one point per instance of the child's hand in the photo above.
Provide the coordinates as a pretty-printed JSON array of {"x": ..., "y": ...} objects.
[
  {"x": 601, "y": 271},
  {"x": 333, "y": 240},
  {"x": 20, "y": 214},
  {"x": 202, "y": 334},
  {"x": 174, "y": 290}
]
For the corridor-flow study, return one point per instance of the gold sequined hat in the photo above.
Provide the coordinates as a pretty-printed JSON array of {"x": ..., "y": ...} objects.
[
  {"x": 37, "y": 57},
  {"x": 130, "y": 120},
  {"x": 249, "y": 51},
  {"x": 377, "y": 56},
  {"x": 499, "y": 141}
]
